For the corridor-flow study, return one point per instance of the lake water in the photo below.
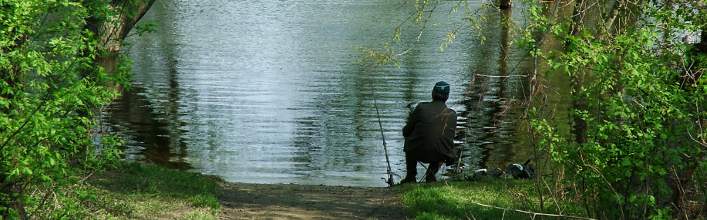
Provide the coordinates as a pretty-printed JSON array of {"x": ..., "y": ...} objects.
[{"x": 272, "y": 91}]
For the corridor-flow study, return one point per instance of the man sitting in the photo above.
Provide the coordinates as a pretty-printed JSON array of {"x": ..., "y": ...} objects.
[{"x": 429, "y": 134}]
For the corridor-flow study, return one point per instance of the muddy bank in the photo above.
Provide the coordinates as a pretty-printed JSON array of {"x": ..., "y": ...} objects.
[{"x": 288, "y": 201}]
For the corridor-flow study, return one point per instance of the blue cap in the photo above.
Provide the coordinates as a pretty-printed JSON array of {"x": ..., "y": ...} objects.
[{"x": 441, "y": 87}]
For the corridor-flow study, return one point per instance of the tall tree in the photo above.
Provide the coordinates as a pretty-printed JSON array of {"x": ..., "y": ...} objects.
[{"x": 112, "y": 30}]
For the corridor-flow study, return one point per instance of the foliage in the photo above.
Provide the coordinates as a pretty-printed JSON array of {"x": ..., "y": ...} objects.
[
  {"x": 638, "y": 106},
  {"x": 407, "y": 34},
  {"x": 50, "y": 89}
]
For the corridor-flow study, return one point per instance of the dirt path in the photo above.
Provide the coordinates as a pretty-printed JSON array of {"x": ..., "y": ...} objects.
[{"x": 286, "y": 201}]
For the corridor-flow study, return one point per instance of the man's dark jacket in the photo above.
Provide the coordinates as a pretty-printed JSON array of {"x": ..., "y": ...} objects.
[{"x": 429, "y": 133}]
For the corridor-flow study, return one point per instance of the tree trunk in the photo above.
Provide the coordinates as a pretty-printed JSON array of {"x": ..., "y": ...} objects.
[
  {"x": 112, "y": 33},
  {"x": 506, "y": 4},
  {"x": 577, "y": 17},
  {"x": 613, "y": 14},
  {"x": 579, "y": 127},
  {"x": 702, "y": 46}
]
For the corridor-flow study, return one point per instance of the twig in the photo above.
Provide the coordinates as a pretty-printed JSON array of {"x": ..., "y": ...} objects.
[
  {"x": 605, "y": 180},
  {"x": 557, "y": 204},
  {"x": 7, "y": 140},
  {"x": 45, "y": 99},
  {"x": 492, "y": 76},
  {"x": 472, "y": 216},
  {"x": 531, "y": 213},
  {"x": 86, "y": 177},
  {"x": 682, "y": 193}
]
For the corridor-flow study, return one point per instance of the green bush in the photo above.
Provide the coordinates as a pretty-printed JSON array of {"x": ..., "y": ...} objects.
[
  {"x": 50, "y": 90},
  {"x": 638, "y": 109}
]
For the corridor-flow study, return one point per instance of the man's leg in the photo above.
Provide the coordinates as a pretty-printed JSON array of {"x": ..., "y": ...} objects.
[
  {"x": 432, "y": 170},
  {"x": 410, "y": 169}
]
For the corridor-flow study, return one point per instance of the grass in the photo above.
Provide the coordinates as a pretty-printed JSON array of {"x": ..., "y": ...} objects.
[
  {"x": 144, "y": 191},
  {"x": 456, "y": 200}
]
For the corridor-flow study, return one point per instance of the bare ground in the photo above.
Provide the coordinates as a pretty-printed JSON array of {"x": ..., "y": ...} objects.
[{"x": 287, "y": 201}]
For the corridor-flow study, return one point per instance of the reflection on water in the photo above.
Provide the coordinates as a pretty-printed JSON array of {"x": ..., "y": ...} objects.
[{"x": 268, "y": 91}]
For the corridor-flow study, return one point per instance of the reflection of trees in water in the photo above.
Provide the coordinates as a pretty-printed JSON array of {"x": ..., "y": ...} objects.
[
  {"x": 490, "y": 117},
  {"x": 133, "y": 116},
  {"x": 155, "y": 126},
  {"x": 173, "y": 99}
]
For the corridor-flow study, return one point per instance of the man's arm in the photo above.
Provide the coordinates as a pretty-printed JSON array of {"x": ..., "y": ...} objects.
[{"x": 410, "y": 122}]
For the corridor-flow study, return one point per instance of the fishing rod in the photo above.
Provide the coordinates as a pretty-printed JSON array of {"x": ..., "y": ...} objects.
[{"x": 385, "y": 146}]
